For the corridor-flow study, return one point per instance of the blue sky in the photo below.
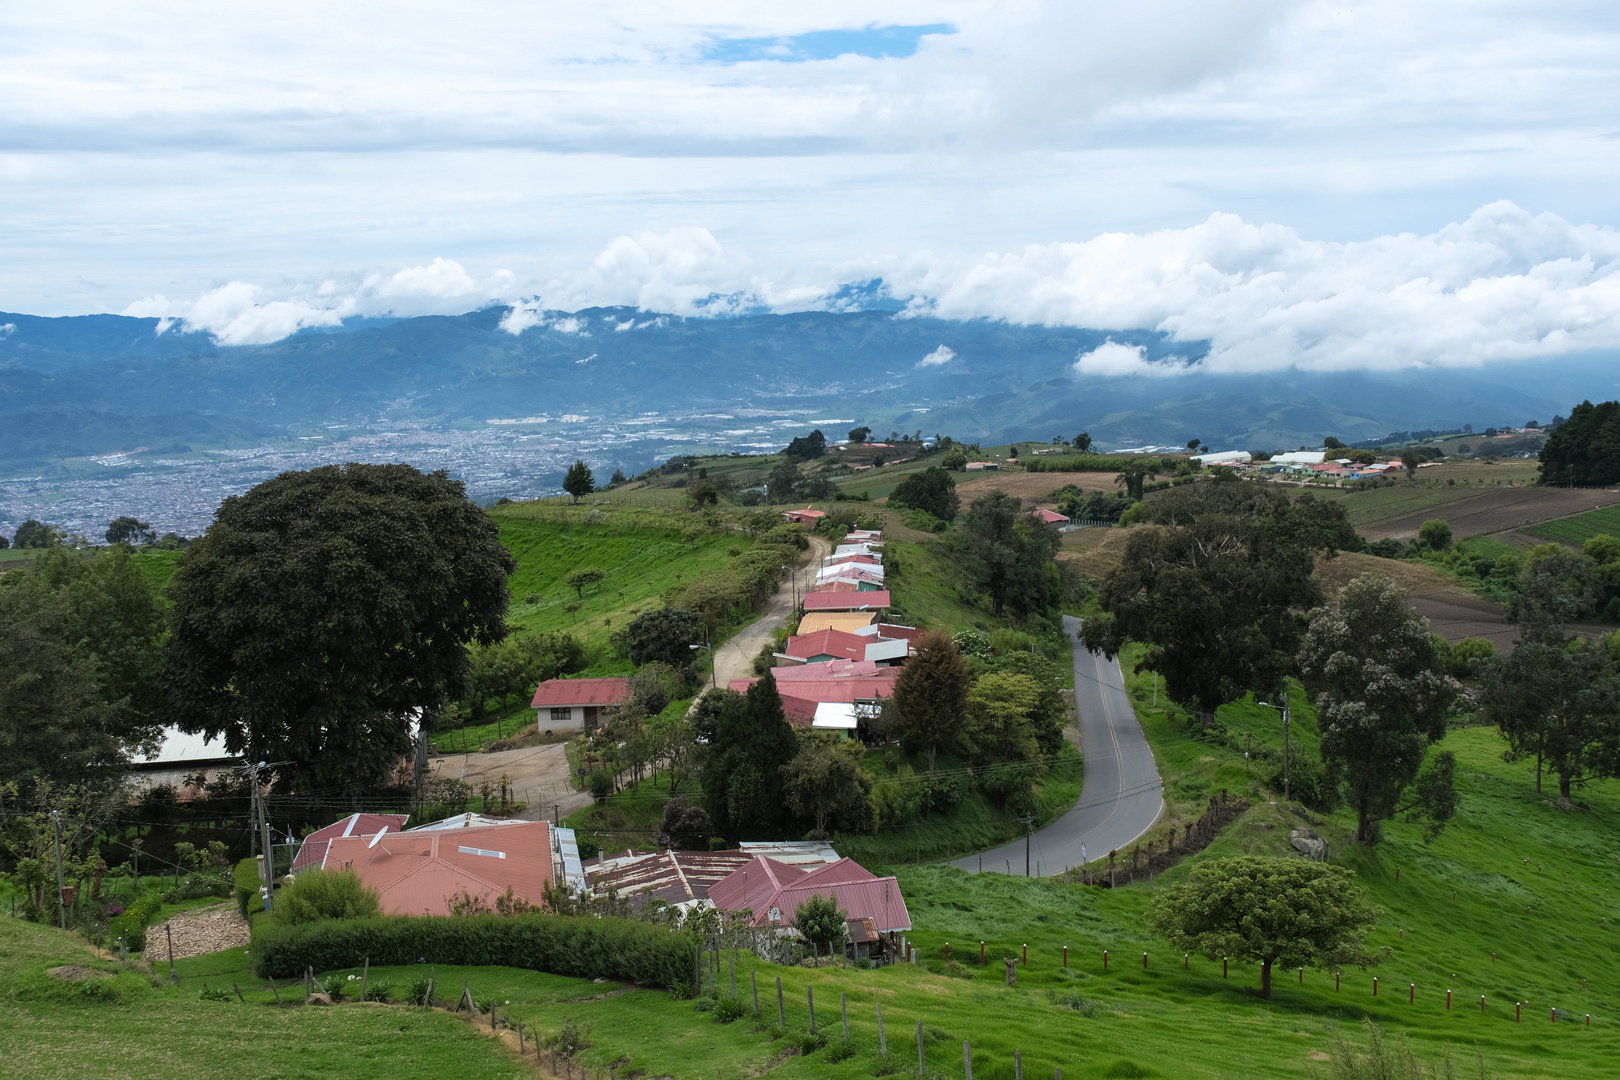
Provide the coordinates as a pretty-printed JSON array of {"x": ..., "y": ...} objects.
[{"x": 1301, "y": 183}]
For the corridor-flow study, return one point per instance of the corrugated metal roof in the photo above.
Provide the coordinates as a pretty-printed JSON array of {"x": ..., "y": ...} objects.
[
  {"x": 555, "y": 693},
  {"x": 806, "y": 853},
  {"x": 838, "y": 620},
  {"x": 878, "y": 900},
  {"x": 765, "y": 886},
  {"x": 752, "y": 885},
  {"x": 827, "y": 642},
  {"x": 856, "y": 601},
  {"x": 676, "y": 877},
  {"x": 461, "y": 821}
]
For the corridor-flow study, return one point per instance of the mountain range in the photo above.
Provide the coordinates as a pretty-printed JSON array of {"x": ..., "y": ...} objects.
[{"x": 100, "y": 384}]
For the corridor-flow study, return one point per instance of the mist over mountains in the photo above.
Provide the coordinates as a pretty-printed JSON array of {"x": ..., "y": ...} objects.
[{"x": 83, "y": 386}]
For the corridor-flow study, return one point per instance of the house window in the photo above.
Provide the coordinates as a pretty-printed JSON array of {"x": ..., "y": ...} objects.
[{"x": 562, "y": 715}]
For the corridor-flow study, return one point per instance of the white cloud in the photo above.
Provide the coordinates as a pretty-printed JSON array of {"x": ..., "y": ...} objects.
[
  {"x": 939, "y": 357},
  {"x": 235, "y": 314},
  {"x": 8, "y": 329},
  {"x": 522, "y": 316},
  {"x": 1113, "y": 359}
]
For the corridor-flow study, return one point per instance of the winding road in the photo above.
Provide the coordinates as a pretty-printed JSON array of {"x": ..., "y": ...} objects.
[{"x": 1121, "y": 795}]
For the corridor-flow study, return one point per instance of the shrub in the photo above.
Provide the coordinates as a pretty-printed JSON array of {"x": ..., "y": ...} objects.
[
  {"x": 810, "y": 1042},
  {"x": 622, "y": 949},
  {"x": 319, "y": 895},
  {"x": 208, "y": 993},
  {"x": 418, "y": 992},
  {"x": 378, "y": 989},
  {"x": 728, "y": 1009},
  {"x": 841, "y": 1051}
]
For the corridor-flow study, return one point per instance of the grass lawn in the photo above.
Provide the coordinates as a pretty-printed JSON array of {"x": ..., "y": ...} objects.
[
  {"x": 1575, "y": 531},
  {"x": 152, "y": 1030}
]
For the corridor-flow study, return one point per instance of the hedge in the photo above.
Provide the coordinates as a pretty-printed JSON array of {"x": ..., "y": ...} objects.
[
  {"x": 1097, "y": 463},
  {"x": 622, "y": 949}
]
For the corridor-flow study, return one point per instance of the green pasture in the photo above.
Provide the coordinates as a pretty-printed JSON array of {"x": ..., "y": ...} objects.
[{"x": 1576, "y": 530}]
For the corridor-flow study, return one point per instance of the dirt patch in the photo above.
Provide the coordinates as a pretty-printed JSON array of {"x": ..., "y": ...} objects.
[
  {"x": 197, "y": 933},
  {"x": 76, "y": 973},
  {"x": 1094, "y": 552},
  {"x": 1032, "y": 487},
  {"x": 1496, "y": 510},
  {"x": 1335, "y": 573}
]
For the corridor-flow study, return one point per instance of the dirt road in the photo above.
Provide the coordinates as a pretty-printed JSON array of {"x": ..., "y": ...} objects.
[
  {"x": 537, "y": 774},
  {"x": 735, "y": 659}
]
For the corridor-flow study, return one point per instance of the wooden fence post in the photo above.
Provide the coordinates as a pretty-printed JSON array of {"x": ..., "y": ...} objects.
[
  {"x": 883, "y": 1044},
  {"x": 967, "y": 1059},
  {"x": 239, "y": 996},
  {"x": 781, "y": 1010},
  {"x": 753, "y": 977},
  {"x": 810, "y": 996},
  {"x": 922, "y": 1066},
  {"x": 843, "y": 1007}
]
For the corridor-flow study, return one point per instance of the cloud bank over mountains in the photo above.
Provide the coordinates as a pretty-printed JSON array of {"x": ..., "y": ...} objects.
[{"x": 1503, "y": 285}]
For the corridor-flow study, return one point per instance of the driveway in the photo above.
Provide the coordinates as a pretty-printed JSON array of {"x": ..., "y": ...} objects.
[
  {"x": 1121, "y": 795},
  {"x": 538, "y": 776}
]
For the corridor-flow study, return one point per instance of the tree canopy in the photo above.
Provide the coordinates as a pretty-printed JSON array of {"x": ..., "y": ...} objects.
[
  {"x": 820, "y": 919},
  {"x": 1004, "y": 553},
  {"x": 1381, "y": 699},
  {"x": 1274, "y": 912},
  {"x": 930, "y": 696},
  {"x": 129, "y": 530},
  {"x": 1219, "y": 596},
  {"x": 808, "y": 446},
  {"x": 579, "y": 482},
  {"x": 825, "y": 786},
  {"x": 931, "y": 490},
  {"x": 79, "y": 643},
  {"x": 1585, "y": 449},
  {"x": 666, "y": 634},
  {"x": 323, "y": 610},
  {"x": 860, "y": 434},
  {"x": 742, "y": 778}
]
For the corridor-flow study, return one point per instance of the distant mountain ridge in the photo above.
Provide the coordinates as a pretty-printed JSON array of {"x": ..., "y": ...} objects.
[{"x": 96, "y": 384}]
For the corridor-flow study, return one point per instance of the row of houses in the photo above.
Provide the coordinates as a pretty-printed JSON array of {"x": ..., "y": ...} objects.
[{"x": 434, "y": 868}]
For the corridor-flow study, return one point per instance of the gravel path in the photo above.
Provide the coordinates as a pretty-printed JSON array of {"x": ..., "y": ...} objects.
[
  {"x": 199, "y": 932},
  {"x": 735, "y": 659}
]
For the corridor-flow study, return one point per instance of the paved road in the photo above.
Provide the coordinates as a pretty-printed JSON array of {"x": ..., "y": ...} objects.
[
  {"x": 735, "y": 659},
  {"x": 1121, "y": 795}
]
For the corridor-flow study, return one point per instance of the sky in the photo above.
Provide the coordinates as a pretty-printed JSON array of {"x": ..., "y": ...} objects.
[{"x": 1296, "y": 184}]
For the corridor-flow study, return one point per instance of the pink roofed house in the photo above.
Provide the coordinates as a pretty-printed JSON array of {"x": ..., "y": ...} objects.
[
  {"x": 806, "y": 516},
  {"x": 313, "y": 849},
  {"x": 877, "y": 600},
  {"x": 421, "y": 873},
  {"x": 1051, "y": 517},
  {"x": 773, "y": 891}
]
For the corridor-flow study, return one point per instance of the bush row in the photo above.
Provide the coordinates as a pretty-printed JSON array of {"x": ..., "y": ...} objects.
[
  {"x": 1096, "y": 463},
  {"x": 621, "y": 949},
  {"x": 737, "y": 588}
]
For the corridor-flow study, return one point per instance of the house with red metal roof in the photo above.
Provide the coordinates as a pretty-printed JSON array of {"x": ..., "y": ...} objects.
[
  {"x": 423, "y": 873},
  {"x": 806, "y": 516},
  {"x": 1051, "y": 517},
  {"x": 773, "y": 891},
  {"x": 847, "y": 601},
  {"x": 804, "y": 687},
  {"x": 313, "y": 849},
  {"x": 833, "y": 644},
  {"x": 575, "y": 704}
]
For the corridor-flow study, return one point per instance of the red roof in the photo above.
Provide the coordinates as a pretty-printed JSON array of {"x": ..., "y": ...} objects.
[
  {"x": 828, "y": 643},
  {"x": 858, "y": 601},
  {"x": 839, "y": 560},
  {"x": 419, "y": 873},
  {"x": 795, "y": 515},
  {"x": 558, "y": 692},
  {"x": 1051, "y": 517},
  {"x": 765, "y": 885},
  {"x": 896, "y": 631},
  {"x": 827, "y": 669},
  {"x": 811, "y": 683},
  {"x": 313, "y": 849}
]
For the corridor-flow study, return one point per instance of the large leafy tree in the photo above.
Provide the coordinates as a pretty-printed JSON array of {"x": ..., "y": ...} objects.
[
  {"x": 932, "y": 490},
  {"x": 79, "y": 642},
  {"x": 1219, "y": 592},
  {"x": 129, "y": 530},
  {"x": 323, "y": 610},
  {"x": 824, "y": 785},
  {"x": 1274, "y": 912},
  {"x": 808, "y": 446},
  {"x": 663, "y": 634},
  {"x": 1585, "y": 449},
  {"x": 1001, "y": 705},
  {"x": 783, "y": 482},
  {"x": 742, "y": 778},
  {"x": 930, "y": 696},
  {"x": 1006, "y": 554},
  {"x": 1381, "y": 696}
]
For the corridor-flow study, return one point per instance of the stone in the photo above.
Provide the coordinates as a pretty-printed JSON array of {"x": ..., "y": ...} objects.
[
  {"x": 1308, "y": 844},
  {"x": 318, "y": 999},
  {"x": 595, "y": 517},
  {"x": 1564, "y": 804},
  {"x": 1012, "y": 972}
]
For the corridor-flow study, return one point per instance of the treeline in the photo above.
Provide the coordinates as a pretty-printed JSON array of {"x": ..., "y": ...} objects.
[
  {"x": 1099, "y": 463},
  {"x": 1585, "y": 449}
]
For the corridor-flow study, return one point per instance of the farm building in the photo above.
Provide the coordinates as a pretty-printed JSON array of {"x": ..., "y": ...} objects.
[
  {"x": 806, "y": 516},
  {"x": 575, "y": 704},
  {"x": 773, "y": 891},
  {"x": 877, "y": 600},
  {"x": 680, "y": 878}
]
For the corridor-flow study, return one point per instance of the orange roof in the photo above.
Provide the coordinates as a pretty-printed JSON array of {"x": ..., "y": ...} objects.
[
  {"x": 828, "y": 642},
  {"x": 313, "y": 849},
  {"x": 559, "y": 692},
  {"x": 418, "y": 873}
]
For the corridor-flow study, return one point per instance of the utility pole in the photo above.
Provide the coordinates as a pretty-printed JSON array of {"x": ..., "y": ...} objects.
[
  {"x": 1029, "y": 822},
  {"x": 1248, "y": 745},
  {"x": 61, "y": 903},
  {"x": 1285, "y": 750},
  {"x": 269, "y": 851}
]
